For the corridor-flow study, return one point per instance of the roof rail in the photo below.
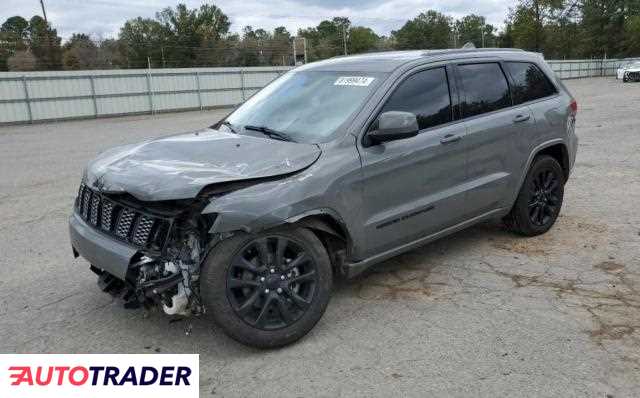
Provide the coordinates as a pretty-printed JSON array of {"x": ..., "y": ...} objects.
[{"x": 470, "y": 50}]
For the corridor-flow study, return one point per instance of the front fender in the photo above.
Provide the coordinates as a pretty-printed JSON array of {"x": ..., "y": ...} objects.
[
  {"x": 251, "y": 211},
  {"x": 331, "y": 187}
]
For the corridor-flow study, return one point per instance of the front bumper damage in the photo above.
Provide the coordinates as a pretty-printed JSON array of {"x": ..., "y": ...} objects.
[
  {"x": 102, "y": 252},
  {"x": 158, "y": 267}
]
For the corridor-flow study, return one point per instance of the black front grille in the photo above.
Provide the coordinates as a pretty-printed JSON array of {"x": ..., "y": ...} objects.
[
  {"x": 120, "y": 221},
  {"x": 633, "y": 75}
]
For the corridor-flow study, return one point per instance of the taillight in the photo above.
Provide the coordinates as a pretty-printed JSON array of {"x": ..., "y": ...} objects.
[{"x": 574, "y": 107}]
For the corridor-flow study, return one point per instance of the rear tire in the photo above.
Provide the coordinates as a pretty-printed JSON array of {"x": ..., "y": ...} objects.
[
  {"x": 269, "y": 289},
  {"x": 540, "y": 199}
]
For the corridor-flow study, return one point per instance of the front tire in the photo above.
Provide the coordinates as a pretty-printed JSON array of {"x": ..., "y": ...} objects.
[
  {"x": 269, "y": 289},
  {"x": 540, "y": 199}
]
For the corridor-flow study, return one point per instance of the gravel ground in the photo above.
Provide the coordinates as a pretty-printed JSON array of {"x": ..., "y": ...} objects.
[{"x": 482, "y": 313}]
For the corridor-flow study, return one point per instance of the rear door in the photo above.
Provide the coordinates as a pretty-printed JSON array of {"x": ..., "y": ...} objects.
[
  {"x": 493, "y": 125},
  {"x": 413, "y": 187},
  {"x": 532, "y": 88}
]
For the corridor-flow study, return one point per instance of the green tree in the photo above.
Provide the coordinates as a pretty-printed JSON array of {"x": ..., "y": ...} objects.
[
  {"x": 603, "y": 24},
  {"x": 80, "y": 52},
  {"x": 327, "y": 39},
  {"x": 190, "y": 32},
  {"x": 362, "y": 40},
  {"x": 44, "y": 43},
  {"x": 142, "y": 39},
  {"x": 17, "y": 30},
  {"x": 430, "y": 29},
  {"x": 281, "y": 46},
  {"x": 632, "y": 35},
  {"x": 111, "y": 54},
  {"x": 474, "y": 29},
  {"x": 528, "y": 21},
  {"x": 14, "y": 35},
  {"x": 22, "y": 60}
]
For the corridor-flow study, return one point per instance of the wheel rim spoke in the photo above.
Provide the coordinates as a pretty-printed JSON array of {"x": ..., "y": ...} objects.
[
  {"x": 299, "y": 301},
  {"x": 281, "y": 246},
  {"x": 263, "y": 251},
  {"x": 234, "y": 283},
  {"x": 534, "y": 213},
  {"x": 243, "y": 263},
  {"x": 248, "y": 305},
  {"x": 300, "y": 260},
  {"x": 271, "y": 282},
  {"x": 541, "y": 215},
  {"x": 304, "y": 277},
  {"x": 544, "y": 197},
  {"x": 285, "y": 312},
  {"x": 548, "y": 180},
  {"x": 264, "y": 311}
]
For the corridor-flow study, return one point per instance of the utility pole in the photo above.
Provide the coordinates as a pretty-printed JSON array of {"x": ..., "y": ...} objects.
[
  {"x": 49, "y": 38},
  {"x": 344, "y": 38},
  {"x": 455, "y": 37},
  {"x": 295, "y": 61},
  {"x": 304, "y": 43},
  {"x": 44, "y": 12}
]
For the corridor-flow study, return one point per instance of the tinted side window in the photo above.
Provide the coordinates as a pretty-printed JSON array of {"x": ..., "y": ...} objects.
[
  {"x": 529, "y": 82},
  {"x": 485, "y": 88},
  {"x": 426, "y": 94}
]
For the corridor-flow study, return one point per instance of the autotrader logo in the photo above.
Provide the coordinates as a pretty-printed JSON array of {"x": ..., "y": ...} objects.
[{"x": 69, "y": 376}]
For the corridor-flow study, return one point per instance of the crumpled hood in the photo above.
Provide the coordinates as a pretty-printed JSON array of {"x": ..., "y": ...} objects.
[{"x": 178, "y": 167}]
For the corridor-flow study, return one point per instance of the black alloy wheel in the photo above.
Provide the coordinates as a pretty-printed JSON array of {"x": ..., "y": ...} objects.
[
  {"x": 271, "y": 282},
  {"x": 267, "y": 289},
  {"x": 540, "y": 198},
  {"x": 544, "y": 194}
]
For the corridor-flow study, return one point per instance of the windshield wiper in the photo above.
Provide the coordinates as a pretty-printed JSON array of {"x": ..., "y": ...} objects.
[
  {"x": 278, "y": 135},
  {"x": 230, "y": 126}
]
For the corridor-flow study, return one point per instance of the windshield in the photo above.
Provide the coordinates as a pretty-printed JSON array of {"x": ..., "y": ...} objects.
[{"x": 304, "y": 106}]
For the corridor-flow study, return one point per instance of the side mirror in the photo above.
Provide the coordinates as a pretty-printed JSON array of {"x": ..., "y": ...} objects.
[{"x": 394, "y": 125}]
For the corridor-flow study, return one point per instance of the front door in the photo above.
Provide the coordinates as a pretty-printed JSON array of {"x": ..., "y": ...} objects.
[{"x": 415, "y": 187}]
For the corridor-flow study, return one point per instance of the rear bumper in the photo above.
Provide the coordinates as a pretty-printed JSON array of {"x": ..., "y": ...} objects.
[{"x": 102, "y": 252}]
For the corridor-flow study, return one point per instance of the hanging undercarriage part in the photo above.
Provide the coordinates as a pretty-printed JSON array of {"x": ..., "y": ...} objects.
[{"x": 164, "y": 273}]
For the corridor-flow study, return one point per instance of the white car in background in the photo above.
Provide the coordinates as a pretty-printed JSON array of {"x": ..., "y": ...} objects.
[{"x": 629, "y": 72}]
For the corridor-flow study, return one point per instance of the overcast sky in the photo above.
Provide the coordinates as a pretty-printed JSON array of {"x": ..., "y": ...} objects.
[{"x": 103, "y": 18}]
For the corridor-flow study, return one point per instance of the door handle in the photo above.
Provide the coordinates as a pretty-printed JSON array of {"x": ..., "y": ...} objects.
[
  {"x": 449, "y": 138},
  {"x": 521, "y": 118}
]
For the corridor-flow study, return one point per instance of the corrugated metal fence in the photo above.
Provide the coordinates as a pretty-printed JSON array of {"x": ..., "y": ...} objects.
[
  {"x": 27, "y": 97},
  {"x": 579, "y": 68}
]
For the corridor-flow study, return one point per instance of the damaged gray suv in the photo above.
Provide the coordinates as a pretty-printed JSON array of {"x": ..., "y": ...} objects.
[{"x": 333, "y": 167}]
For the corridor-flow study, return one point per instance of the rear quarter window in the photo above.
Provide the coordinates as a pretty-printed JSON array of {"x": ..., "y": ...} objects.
[{"x": 529, "y": 82}]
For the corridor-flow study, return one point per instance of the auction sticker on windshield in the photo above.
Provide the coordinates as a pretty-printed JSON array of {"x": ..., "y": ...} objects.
[
  {"x": 362, "y": 81},
  {"x": 99, "y": 376}
]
